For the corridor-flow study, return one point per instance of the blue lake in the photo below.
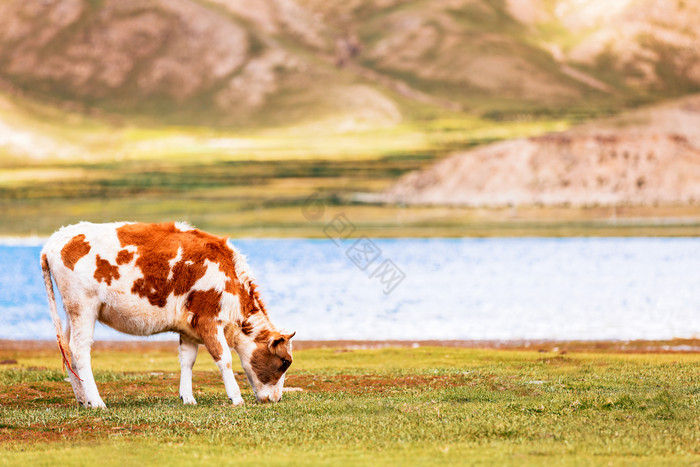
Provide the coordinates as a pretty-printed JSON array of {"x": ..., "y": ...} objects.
[{"x": 582, "y": 288}]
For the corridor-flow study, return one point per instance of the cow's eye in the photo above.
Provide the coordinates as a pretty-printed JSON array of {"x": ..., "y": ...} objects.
[{"x": 285, "y": 364}]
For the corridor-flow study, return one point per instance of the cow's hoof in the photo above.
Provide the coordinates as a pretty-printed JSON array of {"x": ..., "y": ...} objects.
[
  {"x": 98, "y": 404},
  {"x": 237, "y": 401},
  {"x": 188, "y": 400}
]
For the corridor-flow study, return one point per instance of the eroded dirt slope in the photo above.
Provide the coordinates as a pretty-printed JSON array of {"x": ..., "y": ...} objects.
[{"x": 644, "y": 157}]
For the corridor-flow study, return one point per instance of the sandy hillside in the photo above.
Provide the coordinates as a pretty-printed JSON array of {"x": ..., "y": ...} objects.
[{"x": 650, "y": 156}]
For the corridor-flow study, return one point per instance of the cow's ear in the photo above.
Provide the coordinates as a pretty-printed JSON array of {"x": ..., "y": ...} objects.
[{"x": 275, "y": 341}]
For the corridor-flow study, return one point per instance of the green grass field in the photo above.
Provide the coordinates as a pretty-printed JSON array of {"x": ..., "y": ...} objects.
[
  {"x": 251, "y": 183},
  {"x": 257, "y": 185},
  {"x": 428, "y": 405}
]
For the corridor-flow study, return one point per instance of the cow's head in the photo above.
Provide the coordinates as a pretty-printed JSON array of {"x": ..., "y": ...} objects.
[{"x": 265, "y": 359}]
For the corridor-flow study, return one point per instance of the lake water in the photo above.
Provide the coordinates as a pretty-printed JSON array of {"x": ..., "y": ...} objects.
[{"x": 590, "y": 288}]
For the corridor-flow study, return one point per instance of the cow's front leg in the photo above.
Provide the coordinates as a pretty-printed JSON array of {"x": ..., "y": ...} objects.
[
  {"x": 188, "y": 355},
  {"x": 212, "y": 333}
]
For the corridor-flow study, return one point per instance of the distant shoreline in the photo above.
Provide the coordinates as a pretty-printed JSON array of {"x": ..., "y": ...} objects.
[
  {"x": 655, "y": 231},
  {"x": 29, "y": 240},
  {"x": 612, "y": 346}
]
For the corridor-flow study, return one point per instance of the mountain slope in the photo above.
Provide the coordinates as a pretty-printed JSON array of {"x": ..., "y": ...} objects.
[
  {"x": 646, "y": 157},
  {"x": 177, "y": 60},
  {"x": 271, "y": 62}
]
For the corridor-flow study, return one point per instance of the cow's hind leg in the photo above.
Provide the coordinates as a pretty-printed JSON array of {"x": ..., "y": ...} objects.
[
  {"x": 212, "y": 334},
  {"x": 188, "y": 355},
  {"x": 74, "y": 381},
  {"x": 82, "y": 318}
]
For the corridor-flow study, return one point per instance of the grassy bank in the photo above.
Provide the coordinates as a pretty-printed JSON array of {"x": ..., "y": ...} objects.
[
  {"x": 252, "y": 184},
  {"x": 427, "y": 405},
  {"x": 280, "y": 195},
  {"x": 257, "y": 184}
]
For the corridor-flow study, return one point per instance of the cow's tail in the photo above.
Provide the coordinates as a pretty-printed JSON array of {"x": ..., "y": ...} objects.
[{"x": 60, "y": 338}]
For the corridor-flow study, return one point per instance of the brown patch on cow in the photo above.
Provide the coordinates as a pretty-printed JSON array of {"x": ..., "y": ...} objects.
[
  {"x": 75, "y": 249},
  {"x": 158, "y": 244},
  {"x": 263, "y": 336},
  {"x": 266, "y": 365},
  {"x": 228, "y": 365},
  {"x": 246, "y": 327},
  {"x": 208, "y": 332},
  {"x": 124, "y": 256},
  {"x": 254, "y": 303},
  {"x": 230, "y": 333},
  {"x": 205, "y": 306},
  {"x": 72, "y": 309},
  {"x": 105, "y": 271}
]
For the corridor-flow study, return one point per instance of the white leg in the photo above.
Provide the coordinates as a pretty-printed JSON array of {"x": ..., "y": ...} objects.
[
  {"x": 188, "y": 355},
  {"x": 82, "y": 330},
  {"x": 232, "y": 390},
  {"x": 74, "y": 381},
  {"x": 215, "y": 342}
]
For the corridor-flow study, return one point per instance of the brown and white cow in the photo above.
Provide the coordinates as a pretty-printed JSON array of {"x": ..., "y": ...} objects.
[{"x": 145, "y": 279}]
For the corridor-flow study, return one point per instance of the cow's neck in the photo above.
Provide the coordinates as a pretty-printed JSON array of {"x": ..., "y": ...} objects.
[{"x": 260, "y": 324}]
